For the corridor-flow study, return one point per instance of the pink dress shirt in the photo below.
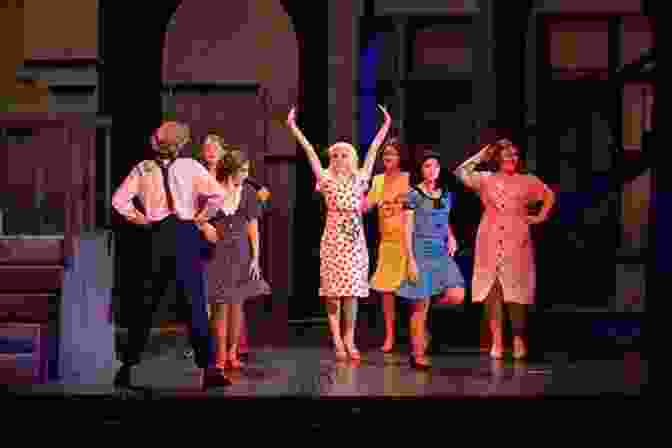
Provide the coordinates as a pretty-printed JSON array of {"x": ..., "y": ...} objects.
[{"x": 188, "y": 181}]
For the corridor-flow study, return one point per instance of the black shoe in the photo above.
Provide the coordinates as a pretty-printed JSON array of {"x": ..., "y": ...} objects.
[
  {"x": 123, "y": 377},
  {"x": 214, "y": 378}
]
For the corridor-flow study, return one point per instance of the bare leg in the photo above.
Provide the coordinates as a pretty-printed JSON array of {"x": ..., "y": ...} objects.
[
  {"x": 495, "y": 306},
  {"x": 350, "y": 318},
  {"x": 220, "y": 329},
  {"x": 518, "y": 316},
  {"x": 243, "y": 347},
  {"x": 235, "y": 334},
  {"x": 389, "y": 303},
  {"x": 453, "y": 296},
  {"x": 334, "y": 317},
  {"x": 418, "y": 327}
]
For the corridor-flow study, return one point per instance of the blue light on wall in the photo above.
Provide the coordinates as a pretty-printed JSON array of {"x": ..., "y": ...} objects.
[{"x": 369, "y": 116}]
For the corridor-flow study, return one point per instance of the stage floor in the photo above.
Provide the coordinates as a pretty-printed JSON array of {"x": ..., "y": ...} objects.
[{"x": 305, "y": 367}]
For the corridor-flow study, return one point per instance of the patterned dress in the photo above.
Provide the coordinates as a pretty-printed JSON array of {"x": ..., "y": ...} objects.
[
  {"x": 344, "y": 258},
  {"x": 392, "y": 262},
  {"x": 228, "y": 271},
  {"x": 504, "y": 249},
  {"x": 437, "y": 270}
]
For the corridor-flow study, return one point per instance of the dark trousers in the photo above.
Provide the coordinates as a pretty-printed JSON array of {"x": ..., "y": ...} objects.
[{"x": 176, "y": 251}]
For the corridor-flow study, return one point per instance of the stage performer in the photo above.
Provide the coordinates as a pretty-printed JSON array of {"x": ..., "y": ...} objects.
[
  {"x": 344, "y": 258},
  {"x": 388, "y": 193},
  {"x": 233, "y": 273},
  {"x": 211, "y": 152},
  {"x": 169, "y": 188},
  {"x": 504, "y": 267},
  {"x": 430, "y": 246}
]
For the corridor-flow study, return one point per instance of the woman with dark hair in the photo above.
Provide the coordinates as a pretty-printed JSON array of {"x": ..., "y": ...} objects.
[
  {"x": 504, "y": 268},
  {"x": 233, "y": 273},
  {"x": 430, "y": 245},
  {"x": 387, "y": 193},
  {"x": 210, "y": 154}
]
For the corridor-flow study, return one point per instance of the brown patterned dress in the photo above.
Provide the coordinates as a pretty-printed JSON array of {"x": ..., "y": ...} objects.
[{"x": 228, "y": 271}]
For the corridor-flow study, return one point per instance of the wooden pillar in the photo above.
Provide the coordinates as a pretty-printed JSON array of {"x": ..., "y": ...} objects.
[
  {"x": 11, "y": 45},
  {"x": 23, "y": 95}
]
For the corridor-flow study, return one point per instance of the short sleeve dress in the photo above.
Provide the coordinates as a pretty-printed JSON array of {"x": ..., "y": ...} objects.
[
  {"x": 437, "y": 270},
  {"x": 228, "y": 271},
  {"x": 344, "y": 258},
  {"x": 392, "y": 262},
  {"x": 504, "y": 249}
]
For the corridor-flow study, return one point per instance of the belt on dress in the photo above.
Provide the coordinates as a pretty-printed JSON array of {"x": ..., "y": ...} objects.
[{"x": 344, "y": 212}]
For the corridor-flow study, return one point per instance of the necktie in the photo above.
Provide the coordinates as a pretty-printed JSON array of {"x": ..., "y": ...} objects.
[{"x": 166, "y": 185}]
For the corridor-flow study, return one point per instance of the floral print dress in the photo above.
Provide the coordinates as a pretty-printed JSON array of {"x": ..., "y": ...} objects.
[{"x": 504, "y": 248}]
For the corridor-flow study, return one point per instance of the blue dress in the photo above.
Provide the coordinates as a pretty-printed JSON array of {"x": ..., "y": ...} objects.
[{"x": 437, "y": 270}]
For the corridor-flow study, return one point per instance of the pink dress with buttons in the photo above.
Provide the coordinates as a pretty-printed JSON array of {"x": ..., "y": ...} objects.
[{"x": 504, "y": 248}]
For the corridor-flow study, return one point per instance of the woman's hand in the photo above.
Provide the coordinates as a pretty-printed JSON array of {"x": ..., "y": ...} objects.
[
  {"x": 291, "y": 118},
  {"x": 535, "y": 219},
  {"x": 413, "y": 270},
  {"x": 255, "y": 271},
  {"x": 209, "y": 232},
  {"x": 487, "y": 152},
  {"x": 201, "y": 217},
  {"x": 139, "y": 219},
  {"x": 452, "y": 246},
  {"x": 388, "y": 119}
]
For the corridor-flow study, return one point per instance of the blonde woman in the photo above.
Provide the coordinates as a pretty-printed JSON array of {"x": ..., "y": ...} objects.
[{"x": 344, "y": 258}]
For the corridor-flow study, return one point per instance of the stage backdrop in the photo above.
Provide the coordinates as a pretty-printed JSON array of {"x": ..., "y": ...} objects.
[{"x": 232, "y": 68}]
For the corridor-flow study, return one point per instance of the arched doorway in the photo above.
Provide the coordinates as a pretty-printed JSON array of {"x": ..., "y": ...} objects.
[
  {"x": 157, "y": 60},
  {"x": 232, "y": 69}
]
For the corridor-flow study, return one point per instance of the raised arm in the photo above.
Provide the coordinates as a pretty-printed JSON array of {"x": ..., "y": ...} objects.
[
  {"x": 314, "y": 160},
  {"x": 466, "y": 171},
  {"x": 367, "y": 169}
]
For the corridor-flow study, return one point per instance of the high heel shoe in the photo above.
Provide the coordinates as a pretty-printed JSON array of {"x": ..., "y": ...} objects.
[
  {"x": 496, "y": 354},
  {"x": 387, "y": 349},
  {"x": 354, "y": 353},
  {"x": 419, "y": 365},
  {"x": 234, "y": 361}
]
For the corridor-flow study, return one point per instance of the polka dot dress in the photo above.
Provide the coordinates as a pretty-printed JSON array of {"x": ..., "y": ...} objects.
[{"x": 344, "y": 258}]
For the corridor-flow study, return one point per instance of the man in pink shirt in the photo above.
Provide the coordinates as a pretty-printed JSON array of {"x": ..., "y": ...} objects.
[{"x": 169, "y": 188}]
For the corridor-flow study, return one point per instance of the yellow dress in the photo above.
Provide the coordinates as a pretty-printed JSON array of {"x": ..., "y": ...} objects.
[{"x": 391, "y": 268}]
